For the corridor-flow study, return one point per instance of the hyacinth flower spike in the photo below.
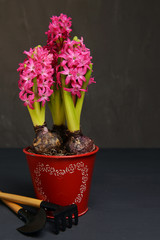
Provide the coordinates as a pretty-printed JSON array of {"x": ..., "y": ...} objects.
[
  {"x": 75, "y": 76},
  {"x": 59, "y": 30},
  {"x": 35, "y": 84}
]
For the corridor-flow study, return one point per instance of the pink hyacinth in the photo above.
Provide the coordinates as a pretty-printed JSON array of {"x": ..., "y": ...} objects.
[
  {"x": 59, "y": 30},
  {"x": 36, "y": 76},
  {"x": 75, "y": 61}
]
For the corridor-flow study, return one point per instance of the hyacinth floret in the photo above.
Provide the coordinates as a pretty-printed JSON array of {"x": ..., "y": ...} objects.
[{"x": 36, "y": 76}]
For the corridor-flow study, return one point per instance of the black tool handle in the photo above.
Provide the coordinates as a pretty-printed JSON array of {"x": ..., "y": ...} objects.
[{"x": 49, "y": 206}]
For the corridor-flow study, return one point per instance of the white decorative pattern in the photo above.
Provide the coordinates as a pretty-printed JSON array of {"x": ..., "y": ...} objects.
[{"x": 61, "y": 172}]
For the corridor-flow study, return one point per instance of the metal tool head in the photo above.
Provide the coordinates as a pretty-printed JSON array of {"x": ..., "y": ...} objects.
[
  {"x": 34, "y": 222},
  {"x": 63, "y": 215}
]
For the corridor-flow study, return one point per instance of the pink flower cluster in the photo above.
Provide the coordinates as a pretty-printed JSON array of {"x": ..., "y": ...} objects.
[
  {"x": 75, "y": 63},
  {"x": 59, "y": 30},
  {"x": 36, "y": 76},
  {"x": 60, "y": 56}
]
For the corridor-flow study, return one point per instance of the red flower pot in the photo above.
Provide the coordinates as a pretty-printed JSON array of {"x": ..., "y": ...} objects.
[{"x": 62, "y": 179}]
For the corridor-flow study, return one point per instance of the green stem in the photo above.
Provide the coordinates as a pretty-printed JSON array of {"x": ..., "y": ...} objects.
[
  {"x": 38, "y": 113},
  {"x": 70, "y": 113},
  {"x": 35, "y": 119},
  {"x": 42, "y": 113},
  {"x": 56, "y": 108},
  {"x": 80, "y": 101},
  {"x": 36, "y": 104}
]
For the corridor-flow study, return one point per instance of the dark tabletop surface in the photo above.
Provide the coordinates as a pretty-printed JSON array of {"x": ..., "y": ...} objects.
[{"x": 124, "y": 200}]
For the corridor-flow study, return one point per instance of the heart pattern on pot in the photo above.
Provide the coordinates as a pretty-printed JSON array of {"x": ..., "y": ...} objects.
[{"x": 70, "y": 169}]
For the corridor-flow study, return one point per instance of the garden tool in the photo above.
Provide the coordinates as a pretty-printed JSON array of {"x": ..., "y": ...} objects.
[
  {"x": 34, "y": 222},
  {"x": 63, "y": 215}
]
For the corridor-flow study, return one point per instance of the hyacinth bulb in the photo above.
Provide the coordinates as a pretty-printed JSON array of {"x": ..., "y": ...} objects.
[
  {"x": 77, "y": 143},
  {"x": 46, "y": 142}
]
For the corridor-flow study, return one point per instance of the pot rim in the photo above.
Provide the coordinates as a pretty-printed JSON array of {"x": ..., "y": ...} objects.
[{"x": 61, "y": 157}]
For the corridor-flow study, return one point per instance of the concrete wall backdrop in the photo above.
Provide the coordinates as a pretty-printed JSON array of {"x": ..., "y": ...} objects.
[{"x": 123, "y": 108}]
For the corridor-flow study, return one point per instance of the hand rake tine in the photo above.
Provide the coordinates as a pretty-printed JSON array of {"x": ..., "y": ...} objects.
[
  {"x": 57, "y": 225},
  {"x": 74, "y": 212},
  {"x": 69, "y": 220},
  {"x": 76, "y": 217},
  {"x": 63, "y": 222}
]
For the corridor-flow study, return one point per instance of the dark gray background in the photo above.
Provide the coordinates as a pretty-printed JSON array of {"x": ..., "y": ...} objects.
[{"x": 123, "y": 108}]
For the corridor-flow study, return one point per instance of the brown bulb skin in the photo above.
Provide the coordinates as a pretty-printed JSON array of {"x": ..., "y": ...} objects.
[
  {"x": 46, "y": 142},
  {"x": 79, "y": 144}
]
